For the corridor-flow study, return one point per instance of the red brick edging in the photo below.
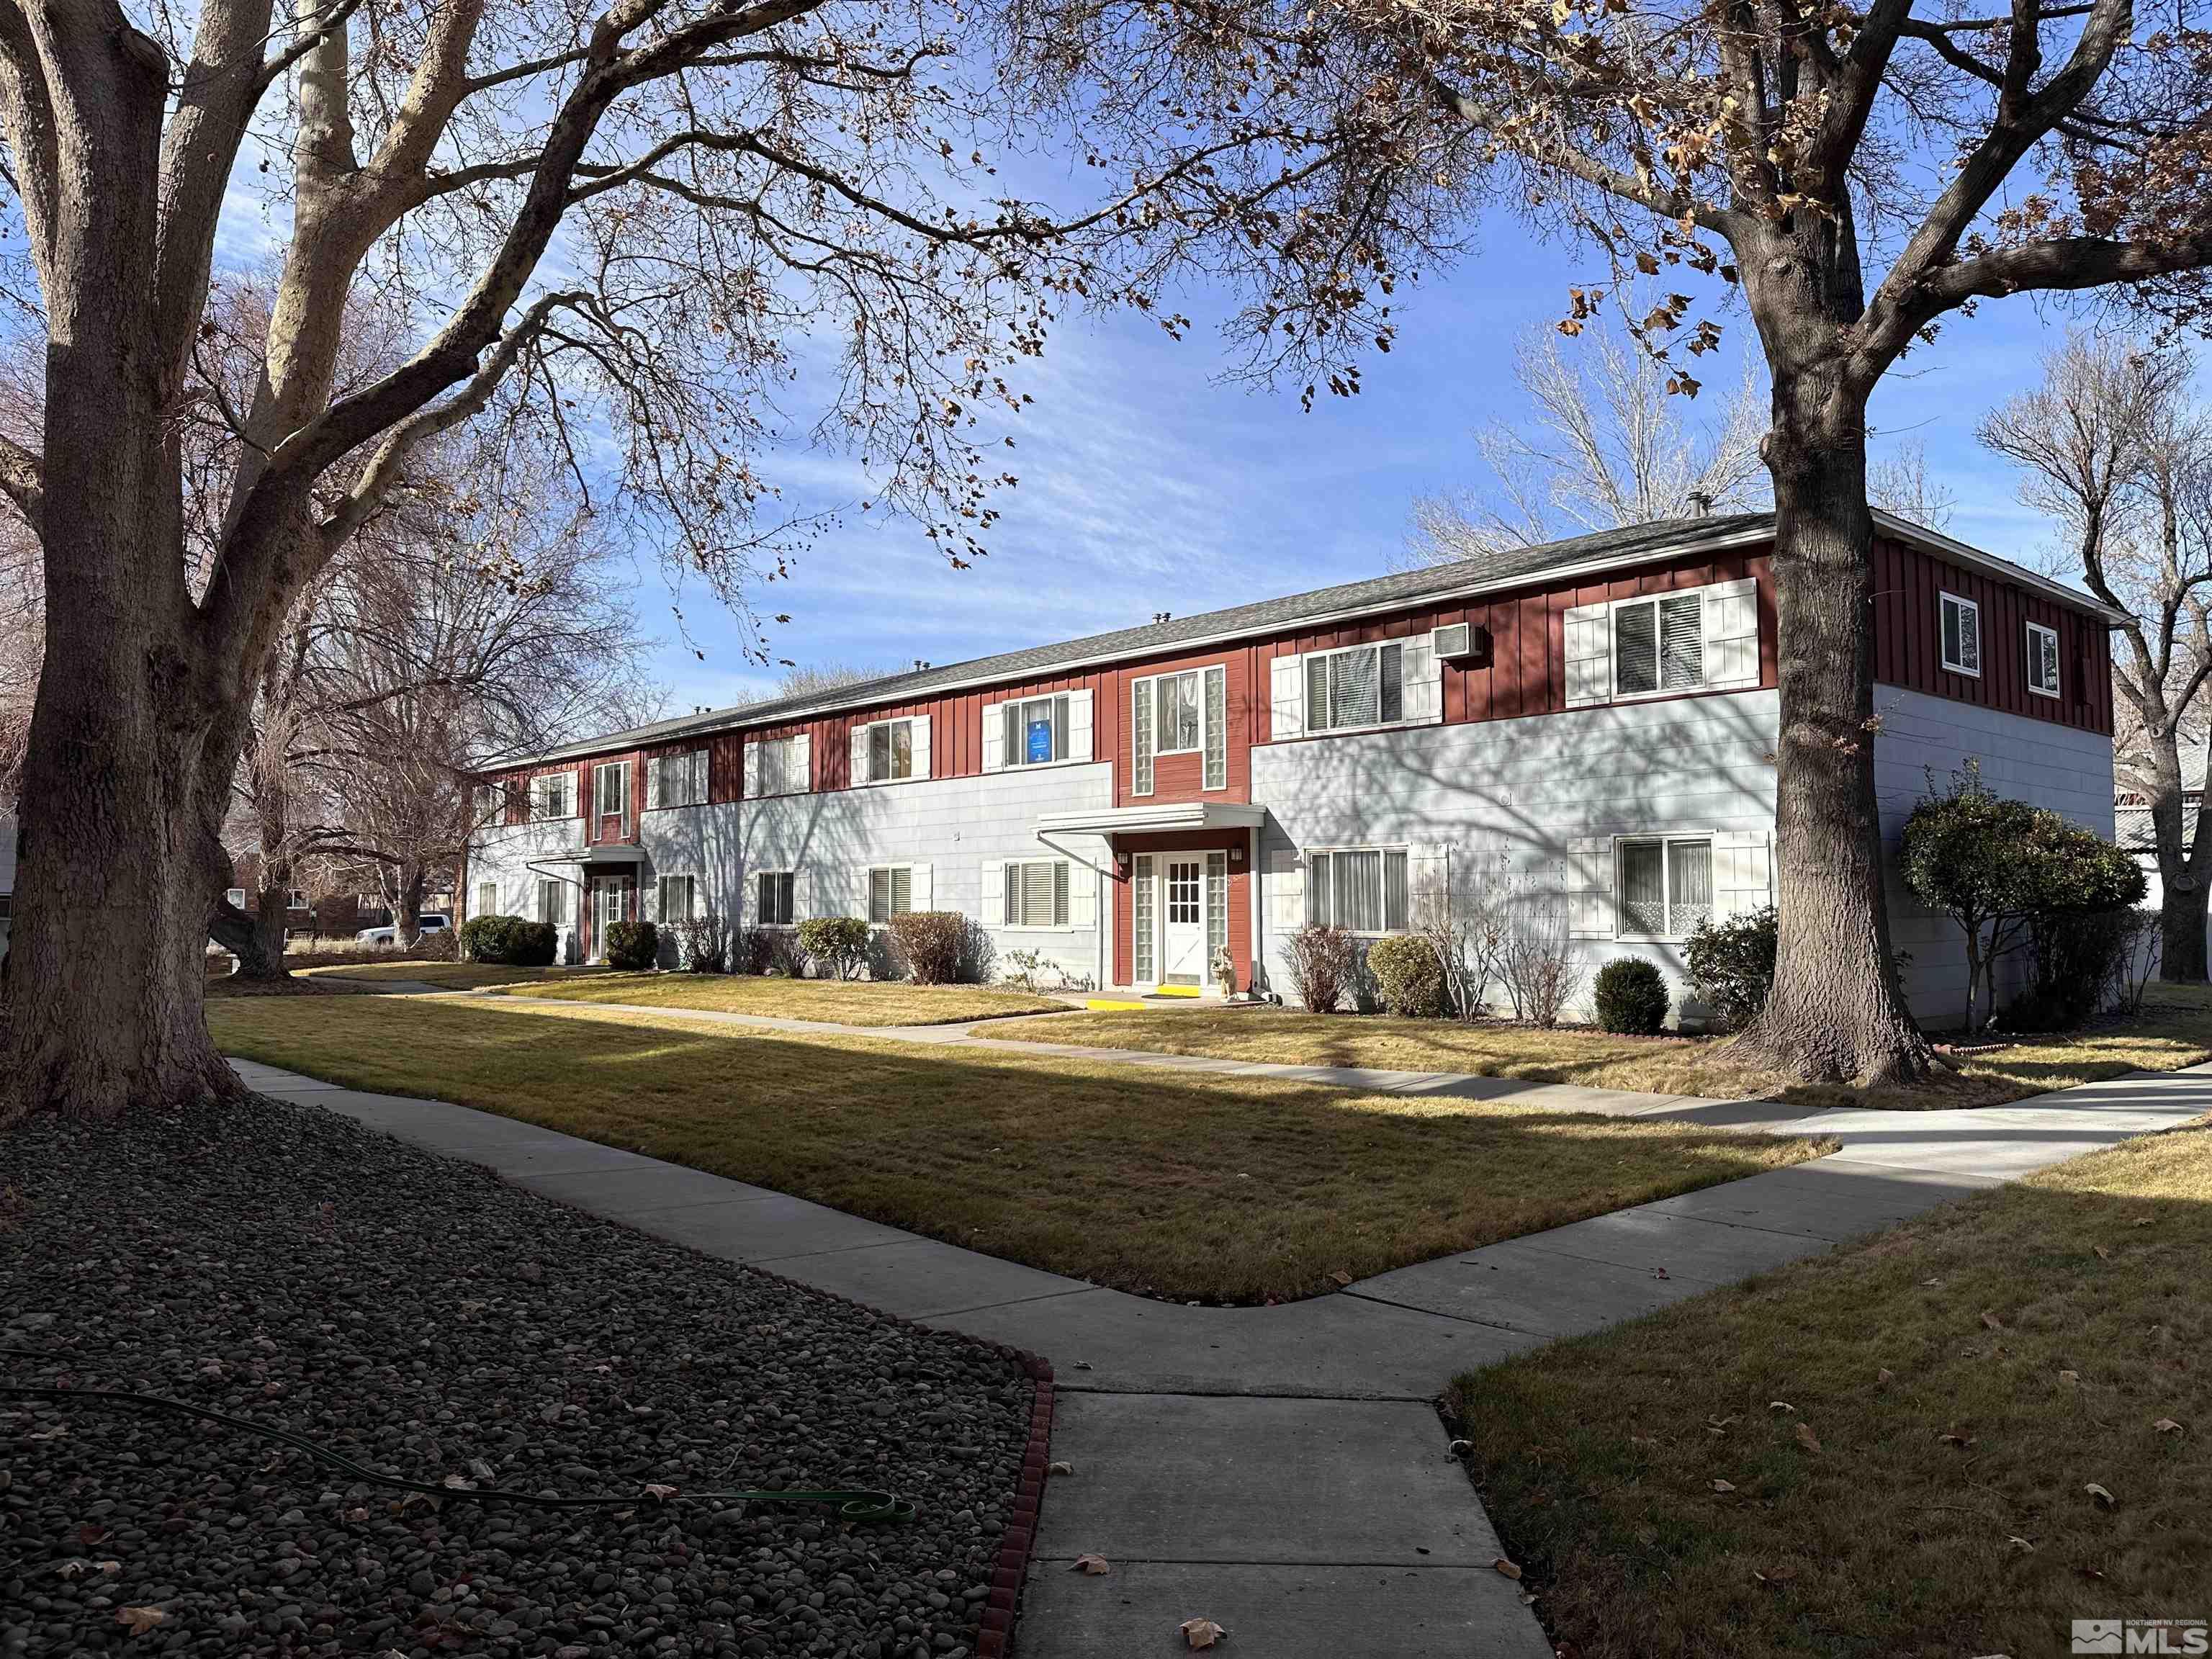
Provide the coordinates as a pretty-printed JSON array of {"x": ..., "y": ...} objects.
[{"x": 997, "y": 1640}]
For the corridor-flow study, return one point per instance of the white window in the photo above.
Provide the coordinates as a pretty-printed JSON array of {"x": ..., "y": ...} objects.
[
  {"x": 1359, "y": 888},
  {"x": 780, "y": 767},
  {"x": 1666, "y": 887},
  {"x": 491, "y": 802},
  {"x": 610, "y": 790},
  {"x": 2042, "y": 661},
  {"x": 1659, "y": 644},
  {"x": 553, "y": 902},
  {"x": 773, "y": 891},
  {"x": 295, "y": 898},
  {"x": 678, "y": 898},
  {"x": 677, "y": 779},
  {"x": 487, "y": 898},
  {"x": 1365, "y": 686},
  {"x": 1962, "y": 636},
  {"x": 1180, "y": 713},
  {"x": 553, "y": 795},
  {"x": 1036, "y": 731},
  {"x": 887, "y": 751},
  {"x": 235, "y": 897},
  {"x": 891, "y": 891},
  {"x": 1036, "y": 894}
]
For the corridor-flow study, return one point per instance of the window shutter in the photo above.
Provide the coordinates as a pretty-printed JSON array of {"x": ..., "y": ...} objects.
[
  {"x": 1428, "y": 883},
  {"x": 1590, "y": 888},
  {"x": 1216, "y": 776},
  {"x": 859, "y": 756},
  {"x": 919, "y": 728},
  {"x": 921, "y": 900},
  {"x": 994, "y": 738},
  {"x": 752, "y": 771},
  {"x": 1082, "y": 895},
  {"x": 1424, "y": 682},
  {"x": 1287, "y": 893},
  {"x": 1287, "y": 717},
  {"x": 655, "y": 794},
  {"x": 1079, "y": 725},
  {"x": 802, "y": 895},
  {"x": 1743, "y": 873},
  {"x": 1141, "y": 738},
  {"x": 994, "y": 895},
  {"x": 1732, "y": 634},
  {"x": 1589, "y": 654},
  {"x": 800, "y": 779}
]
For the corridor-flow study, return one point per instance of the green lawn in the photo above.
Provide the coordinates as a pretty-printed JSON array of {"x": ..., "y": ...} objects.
[
  {"x": 1965, "y": 1380},
  {"x": 849, "y": 1002},
  {"x": 1220, "y": 1188},
  {"x": 2175, "y": 1030}
]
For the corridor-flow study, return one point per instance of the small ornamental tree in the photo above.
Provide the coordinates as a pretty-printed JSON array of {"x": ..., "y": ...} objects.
[
  {"x": 1995, "y": 866},
  {"x": 838, "y": 945}
]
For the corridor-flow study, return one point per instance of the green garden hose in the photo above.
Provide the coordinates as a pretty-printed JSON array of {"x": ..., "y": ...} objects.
[{"x": 851, "y": 1504}]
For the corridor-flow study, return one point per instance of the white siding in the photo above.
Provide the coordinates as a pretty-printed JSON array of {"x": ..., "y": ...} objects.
[
  {"x": 503, "y": 855},
  {"x": 2039, "y": 761}
]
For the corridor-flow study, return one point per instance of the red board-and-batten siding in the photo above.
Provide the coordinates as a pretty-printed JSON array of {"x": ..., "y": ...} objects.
[{"x": 1524, "y": 675}]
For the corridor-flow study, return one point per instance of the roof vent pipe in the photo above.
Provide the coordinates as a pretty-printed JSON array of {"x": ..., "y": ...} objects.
[{"x": 1701, "y": 504}]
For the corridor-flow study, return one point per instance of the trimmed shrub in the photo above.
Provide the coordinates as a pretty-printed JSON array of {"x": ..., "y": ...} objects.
[
  {"x": 1324, "y": 965},
  {"x": 2078, "y": 955},
  {"x": 509, "y": 939},
  {"x": 1731, "y": 965},
  {"x": 932, "y": 944},
  {"x": 632, "y": 945},
  {"x": 702, "y": 947},
  {"x": 1408, "y": 976},
  {"x": 1632, "y": 999},
  {"x": 752, "y": 949},
  {"x": 837, "y": 945}
]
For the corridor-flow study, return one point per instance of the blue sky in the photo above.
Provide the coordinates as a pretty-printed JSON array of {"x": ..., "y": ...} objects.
[{"x": 1149, "y": 483}]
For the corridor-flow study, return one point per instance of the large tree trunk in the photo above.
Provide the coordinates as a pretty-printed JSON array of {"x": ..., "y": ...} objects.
[
  {"x": 407, "y": 914},
  {"x": 245, "y": 936},
  {"x": 1835, "y": 1013},
  {"x": 133, "y": 738},
  {"x": 2180, "y": 844}
]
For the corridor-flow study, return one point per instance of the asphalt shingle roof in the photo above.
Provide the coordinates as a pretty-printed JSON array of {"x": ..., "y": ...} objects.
[{"x": 1665, "y": 537}]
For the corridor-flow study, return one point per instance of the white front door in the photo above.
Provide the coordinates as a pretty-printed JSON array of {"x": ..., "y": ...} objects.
[
  {"x": 612, "y": 906},
  {"x": 1182, "y": 914}
]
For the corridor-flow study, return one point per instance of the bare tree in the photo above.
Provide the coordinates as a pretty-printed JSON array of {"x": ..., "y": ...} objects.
[
  {"x": 631, "y": 212},
  {"x": 2115, "y": 447},
  {"x": 1900, "y": 483},
  {"x": 1857, "y": 176},
  {"x": 1604, "y": 443}
]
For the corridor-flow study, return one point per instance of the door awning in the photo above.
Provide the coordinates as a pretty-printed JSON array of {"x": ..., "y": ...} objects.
[
  {"x": 1154, "y": 818},
  {"x": 611, "y": 852}
]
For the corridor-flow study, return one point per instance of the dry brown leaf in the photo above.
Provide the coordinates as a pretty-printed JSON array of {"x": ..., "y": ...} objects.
[
  {"x": 1884, "y": 1374},
  {"x": 2101, "y": 1495},
  {"x": 1807, "y": 1438},
  {"x": 2103, "y": 1254},
  {"x": 1960, "y": 1440},
  {"x": 1991, "y": 1321},
  {"x": 1096, "y": 1565},
  {"x": 2070, "y": 1376},
  {"x": 1502, "y": 1564},
  {"x": 1781, "y": 1575},
  {"x": 139, "y": 1619},
  {"x": 1780, "y": 1405},
  {"x": 2021, "y": 1545},
  {"x": 2167, "y": 1425},
  {"x": 654, "y": 1489},
  {"x": 1723, "y": 1485},
  {"x": 1341, "y": 1277},
  {"x": 2140, "y": 1221},
  {"x": 1202, "y": 1632},
  {"x": 1060, "y": 1468}
]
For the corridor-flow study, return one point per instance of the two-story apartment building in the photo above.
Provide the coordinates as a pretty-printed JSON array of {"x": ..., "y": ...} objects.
[{"x": 1597, "y": 717}]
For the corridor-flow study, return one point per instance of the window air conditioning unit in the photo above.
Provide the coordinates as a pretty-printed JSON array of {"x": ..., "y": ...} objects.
[{"x": 1461, "y": 642}]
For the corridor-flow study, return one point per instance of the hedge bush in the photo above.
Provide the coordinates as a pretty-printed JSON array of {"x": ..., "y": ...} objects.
[
  {"x": 1408, "y": 976},
  {"x": 633, "y": 945},
  {"x": 932, "y": 944},
  {"x": 1324, "y": 968},
  {"x": 837, "y": 945},
  {"x": 1632, "y": 998},
  {"x": 1731, "y": 965},
  {"x": 701, "y": 946},
  {"x": 513, "y": 940}
]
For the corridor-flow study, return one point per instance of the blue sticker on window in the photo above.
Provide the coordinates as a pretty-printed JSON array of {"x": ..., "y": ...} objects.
[{"x": 1040, "y": 749}]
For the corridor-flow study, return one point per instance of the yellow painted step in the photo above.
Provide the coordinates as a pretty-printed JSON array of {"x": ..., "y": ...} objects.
[
  {"x": 1111, "y": 1004},
  {"x": 1178, "y": 991}
]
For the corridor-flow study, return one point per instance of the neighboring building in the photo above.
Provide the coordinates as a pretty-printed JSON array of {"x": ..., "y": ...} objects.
[
  {"x": 1600, "y": 715},
  {"x": 334, "y": 914},
  {"x": 2132, "y": 827}
]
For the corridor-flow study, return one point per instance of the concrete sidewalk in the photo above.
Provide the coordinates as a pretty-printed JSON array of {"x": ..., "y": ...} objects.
[{"x": 1282, "y": 1470}]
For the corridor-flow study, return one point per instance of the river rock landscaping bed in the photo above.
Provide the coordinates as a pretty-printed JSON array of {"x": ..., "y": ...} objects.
[{"x": 422, "y": 1318}]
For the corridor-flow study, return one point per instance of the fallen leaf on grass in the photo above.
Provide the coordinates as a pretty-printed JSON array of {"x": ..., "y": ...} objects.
[
  {"x": 1341, "y": 1277},
  {"x": 1723, "y": 1485},
  {"x": 1781, "y": 1575},
  {"x": 2070, "y": 1376},
  {"x": 1961, "y": 1441},
  {"x": 2140, "y": 1221},
  {"x": 1202, "y": 1632},
  {"x": 2021, "y": 1545},
  {"x": 139, "y": 1619},
  {"x": 1884, "y": 1374},
  {"x": 2167, "y": 1425},
  {"x": 1991, "y": 1321},
  {"x": 2101, "y": 1495},
  {"x": 1780, "y": 1405},
  {"x": 1094, "y": 1565},
  {"x": 1502, "y": 1564},
  {"x": 1807, "y": 1438},
  {"x": 2103, "y": 1254}
]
